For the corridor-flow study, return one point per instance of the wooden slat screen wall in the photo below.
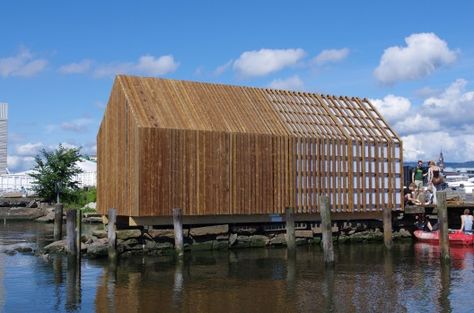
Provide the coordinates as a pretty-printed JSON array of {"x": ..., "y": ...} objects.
[{"x": 217, "y": 149}]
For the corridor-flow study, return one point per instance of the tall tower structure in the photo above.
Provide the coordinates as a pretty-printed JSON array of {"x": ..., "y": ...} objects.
[
  {"x": 441, "y": 161},
  {"x": 3, "y": 137}
]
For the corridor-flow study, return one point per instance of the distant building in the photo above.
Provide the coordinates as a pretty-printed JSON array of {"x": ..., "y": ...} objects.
[
  {"x": 16, "y": 182},
  {"x": 3, "y": 137}
]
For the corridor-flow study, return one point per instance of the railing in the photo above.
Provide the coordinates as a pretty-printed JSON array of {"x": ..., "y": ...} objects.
[{"x": 24, "y": 182}]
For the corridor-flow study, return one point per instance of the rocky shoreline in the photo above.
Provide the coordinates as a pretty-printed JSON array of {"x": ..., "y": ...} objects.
[
  {"x": 219, "y": 237},
  {"x": 150, "y": 241}
]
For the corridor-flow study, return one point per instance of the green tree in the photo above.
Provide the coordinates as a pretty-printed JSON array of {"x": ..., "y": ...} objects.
[{"x": 54, "y": 172}]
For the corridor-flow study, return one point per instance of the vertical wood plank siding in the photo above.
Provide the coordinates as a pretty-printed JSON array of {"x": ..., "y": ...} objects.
[{"x": 220, "y": 150}]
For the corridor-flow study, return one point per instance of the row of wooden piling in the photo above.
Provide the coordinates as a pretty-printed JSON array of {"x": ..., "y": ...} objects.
[{"x": 74, "y": 218}]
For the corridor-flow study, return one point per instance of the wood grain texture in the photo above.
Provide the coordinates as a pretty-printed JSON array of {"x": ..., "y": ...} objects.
[{"x": 215, "y": 149}]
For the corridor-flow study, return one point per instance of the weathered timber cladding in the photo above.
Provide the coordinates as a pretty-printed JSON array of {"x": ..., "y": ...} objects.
[{"x": 224, "y": 150}]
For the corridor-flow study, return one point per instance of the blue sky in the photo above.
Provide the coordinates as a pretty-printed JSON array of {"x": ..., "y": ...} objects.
[{"x": 413, "y": 59}]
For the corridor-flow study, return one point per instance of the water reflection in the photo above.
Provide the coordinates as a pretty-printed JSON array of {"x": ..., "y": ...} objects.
[{"x": 365, "y": 278}]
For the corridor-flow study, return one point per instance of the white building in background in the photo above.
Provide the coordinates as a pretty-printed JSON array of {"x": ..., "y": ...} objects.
[
  {"x": 3, "y": 137},
  {"x": 18, "y": 182}
]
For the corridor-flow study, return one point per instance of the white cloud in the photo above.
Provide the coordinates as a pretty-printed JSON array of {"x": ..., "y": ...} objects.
[
  {"x": 150, "y": 65},
  {"x": 24, "y": 157},
  {"x": 427, "y": 146},
  {"x": 391, "y": 107},
  {"x": 17, "y": 163},
  {"x": 266, "y": 61},
  {"x": 146, "y": 65},
  {"x": 454, "y": 107},
  {"x": 28, "y": 149},
  {"x": 221, "y": 69},
  {"x": 23, "y": 64},
  {"x": 78, "y": 125},
  {"x": 422, "y": 55},
  {"x": 290, "y": 83},
  {"x": 442, "y": 122},
  {"x": 415, "y": 123},
  {"x": 331, "y": 56},
  {"x": 76, "y": 68}
]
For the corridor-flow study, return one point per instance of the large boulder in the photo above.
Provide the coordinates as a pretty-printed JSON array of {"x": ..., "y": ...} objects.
[
  {"x": 165, "y": 233},
  {"x": 99, "y": 233},
  {"x": 98, "y": 248},
  {"x": 259, "y": 241},
  {"x": 21, "y": 213},
  {"x": 209, "y": 230},
  {"x": 56, "y": 247},
  {"x": 128, "y": 233},
  {"x": 278, "y": 240},
  {"x": 48, "y": 218}
]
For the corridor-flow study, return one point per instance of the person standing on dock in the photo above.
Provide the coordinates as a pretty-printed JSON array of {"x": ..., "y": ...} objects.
[
  {"x": 417, "y": 175},
  {"x": 435, "y": 180},
  {"x": 466, "y": 222}
]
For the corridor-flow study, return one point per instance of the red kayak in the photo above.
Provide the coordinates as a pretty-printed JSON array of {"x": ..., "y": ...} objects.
[{"x": 455, "y": 238}]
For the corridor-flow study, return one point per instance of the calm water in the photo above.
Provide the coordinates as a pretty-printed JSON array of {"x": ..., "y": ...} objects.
[{"x": 365, "y": 279}]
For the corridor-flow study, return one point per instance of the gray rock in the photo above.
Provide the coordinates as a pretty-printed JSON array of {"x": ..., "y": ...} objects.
[
  {"x": 32, "y": 204},
  {"x": 24, "y": 249},
  {"x": 343, "y": 238},
  {"x": 48, "y": 218},
  {"x": 206, "y": 245},
  {"x": 22, "y": 213},
  {"x": 92, "y": 220},
  {"x": 161, "y": 233},
  {"x": 209, "y": 230},
  {"x": 128, "y": 233},
  {"x": 278, "y": 240},
  {"x": 242, "y": 242},
  {"x": 304, "y": 233},
  {"x": 151, "y": 245},
  {"x": 405, "y": 233},
  {"x": 223, "y": 237},
  {"x": 55, "y": 247},
  {"x": 10, "y": 252},
  {"x": 99, "y": 233},
  {"x": 166, "y": 233},
  {"x": 129, "y": 243},
  {"x": 232, "y": 239},
  {"x": 164, "y": 245},
  {"x": 259, "y": 241},
  {"x": 220, "y": 244},
  {"x": 90, "y": 205},
  {"x": 97, "y": 249}
]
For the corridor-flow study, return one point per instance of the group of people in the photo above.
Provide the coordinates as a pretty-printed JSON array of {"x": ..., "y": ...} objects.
[
  {"x": 416, "y": 193},
  {"x": 423, "y": 223}
]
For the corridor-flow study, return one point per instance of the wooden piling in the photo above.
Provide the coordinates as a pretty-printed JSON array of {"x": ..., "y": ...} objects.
[
  {"x": 178, "y": 232},
  {"x": 443, "y": 224},
  {"x": 58, "y": 221},
  {"x": 78, "y": 233},
  {"x": 71, "y": 231},
  {"x": 290, "y": 230},
  {"x": 387, "y": 227},
  {"x": 111, "y": 228},
  {"x": 326, "y": 229}
]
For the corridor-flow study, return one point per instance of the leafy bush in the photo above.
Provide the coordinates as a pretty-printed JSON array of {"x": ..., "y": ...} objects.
[
  {"x": 54, "y": 173},
  {"x": 81, "y": 197}
]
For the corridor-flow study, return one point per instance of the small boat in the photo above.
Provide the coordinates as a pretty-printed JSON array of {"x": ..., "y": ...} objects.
[{"x": 455, "y": 237}]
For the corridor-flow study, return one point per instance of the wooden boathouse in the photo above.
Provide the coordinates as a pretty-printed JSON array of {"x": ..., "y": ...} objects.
[{"x": 238, "y": 154}]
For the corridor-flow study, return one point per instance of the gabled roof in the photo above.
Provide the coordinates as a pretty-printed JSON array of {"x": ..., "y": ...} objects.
[{"x": 174, "y": 104}]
